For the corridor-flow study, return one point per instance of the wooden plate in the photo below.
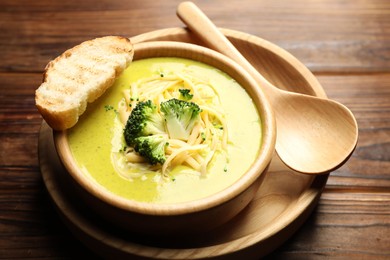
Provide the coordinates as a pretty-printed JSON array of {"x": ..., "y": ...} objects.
[{"x": 282, "y": 204}]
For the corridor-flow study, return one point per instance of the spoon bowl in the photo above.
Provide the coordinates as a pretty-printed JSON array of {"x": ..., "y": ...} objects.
[{"x": 314, "y": 135}]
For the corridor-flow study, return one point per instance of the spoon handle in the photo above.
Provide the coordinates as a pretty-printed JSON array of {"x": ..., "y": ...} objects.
[{"x": 197, "y": 21}]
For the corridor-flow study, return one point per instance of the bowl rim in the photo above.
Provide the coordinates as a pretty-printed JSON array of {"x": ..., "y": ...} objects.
[{"x": 259, "y": 166}]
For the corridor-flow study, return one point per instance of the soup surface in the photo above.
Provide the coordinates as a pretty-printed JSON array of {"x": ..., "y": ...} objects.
[{"x": 98, "y": 136}]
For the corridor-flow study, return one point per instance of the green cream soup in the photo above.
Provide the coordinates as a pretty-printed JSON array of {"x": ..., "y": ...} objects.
[{"x": 99, "y": 134}]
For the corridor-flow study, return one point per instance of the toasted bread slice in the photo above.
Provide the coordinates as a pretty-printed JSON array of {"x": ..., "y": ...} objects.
[{"x": 79, "y": 76}]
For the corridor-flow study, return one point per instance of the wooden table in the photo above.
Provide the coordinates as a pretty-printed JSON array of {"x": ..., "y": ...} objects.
[{"x": 346, "y": 44}]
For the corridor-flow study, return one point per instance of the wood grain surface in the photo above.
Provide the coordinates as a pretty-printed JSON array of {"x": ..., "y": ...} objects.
[{"x": 346, "y": 44}]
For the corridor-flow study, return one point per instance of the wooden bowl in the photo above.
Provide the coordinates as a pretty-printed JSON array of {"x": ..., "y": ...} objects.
[{"x": 190, "y": 217}]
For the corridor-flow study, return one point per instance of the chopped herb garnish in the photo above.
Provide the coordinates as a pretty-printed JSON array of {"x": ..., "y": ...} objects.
[
  {"x": 218, "y": 126},
  {"x": 185, "y": 94},
  {"x": 123, "y": 149},
  {"x": 108, "y": 107}
]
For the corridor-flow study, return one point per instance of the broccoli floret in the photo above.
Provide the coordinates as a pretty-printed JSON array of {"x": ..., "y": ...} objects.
[
  {"x": 152, "y": 147},
  {"x": 147, "y": 130},
  {"x": 185, "y": 94},
  {"x": 180, "y": 116},
  {"x": 144, "y": 120}
]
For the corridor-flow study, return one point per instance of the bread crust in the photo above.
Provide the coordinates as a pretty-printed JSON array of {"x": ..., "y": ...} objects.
[{"x": 79, "y": 76}]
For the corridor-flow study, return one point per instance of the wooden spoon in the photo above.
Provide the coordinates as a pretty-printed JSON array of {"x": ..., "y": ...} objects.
[{"x": 314, "y": 135}]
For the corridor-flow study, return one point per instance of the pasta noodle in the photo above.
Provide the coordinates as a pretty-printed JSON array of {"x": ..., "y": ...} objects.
[{"x": 208, "y": 136}]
